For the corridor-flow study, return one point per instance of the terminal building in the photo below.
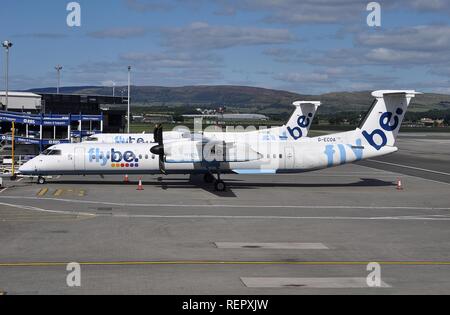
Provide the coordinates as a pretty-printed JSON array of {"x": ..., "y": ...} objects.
[{"x": 43, "y": 119}]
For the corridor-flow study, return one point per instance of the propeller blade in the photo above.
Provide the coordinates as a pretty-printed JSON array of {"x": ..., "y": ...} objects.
[{"x": 159, "y": 149}]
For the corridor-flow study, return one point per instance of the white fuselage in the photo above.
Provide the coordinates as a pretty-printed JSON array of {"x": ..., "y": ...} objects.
[
  {"x": 272, "y": 157},
  {"x": 279, "y": 150}
]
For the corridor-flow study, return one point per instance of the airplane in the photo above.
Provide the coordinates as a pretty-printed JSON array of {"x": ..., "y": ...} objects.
[
  {"x": 296, "y": 128},
  {"x": 376, "y": 136}
]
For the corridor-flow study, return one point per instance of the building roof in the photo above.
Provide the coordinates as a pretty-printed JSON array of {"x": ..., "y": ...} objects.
[{"x": 19, "y": 94}]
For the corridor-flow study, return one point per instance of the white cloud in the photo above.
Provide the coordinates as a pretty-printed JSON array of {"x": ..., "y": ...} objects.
[
  {"x": 296, "y": 77},
  {"x": 120, "y": 33},
  {"x": 419, "y": 38},
  {"x": 200, "y": 35},
  {"x": 148, "y": 5}
]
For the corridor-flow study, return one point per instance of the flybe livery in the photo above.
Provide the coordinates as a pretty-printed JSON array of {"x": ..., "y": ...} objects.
[
  {"x": 296, "y": 128},
  {"x": 134, "y": 137},
  {"x": 376, "y": 136}
]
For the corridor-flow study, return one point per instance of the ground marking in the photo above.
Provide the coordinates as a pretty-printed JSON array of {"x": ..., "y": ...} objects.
[
  {"x": 58, "y": 192},
  {"x": 46, "y": 210},
  {"x": 399, "y": 218},
  {"x": 308, "y": 283},
  {"x": 149, "y": 205},
  {"x": 42, "y": 192},
  {"x": 290, "y": 245},
  {"x": 410, "y": 167},
  {"x": 206, "y": 262}
]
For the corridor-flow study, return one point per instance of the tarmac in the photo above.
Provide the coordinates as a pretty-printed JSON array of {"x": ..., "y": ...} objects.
[{"x": 312, "y": 233}]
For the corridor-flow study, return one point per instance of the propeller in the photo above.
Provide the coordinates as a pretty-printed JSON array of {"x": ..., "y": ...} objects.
[{"x": 159, "y": 149}]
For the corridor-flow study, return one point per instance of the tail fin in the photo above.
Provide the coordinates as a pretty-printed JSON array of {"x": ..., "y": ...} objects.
[
  {"x": 381, "y": 125},
  {"x": 302, "y": 118}
]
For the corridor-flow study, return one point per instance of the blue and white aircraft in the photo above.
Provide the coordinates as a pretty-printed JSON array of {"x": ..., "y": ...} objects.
[
  {"x": 376, "y": 136},
  {"x": 297, "y": 127}
]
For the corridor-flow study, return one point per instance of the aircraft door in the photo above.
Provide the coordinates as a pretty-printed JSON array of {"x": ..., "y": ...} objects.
[
  {"x": 79, "y": 159},
  {"x": 289, "y": 157}
]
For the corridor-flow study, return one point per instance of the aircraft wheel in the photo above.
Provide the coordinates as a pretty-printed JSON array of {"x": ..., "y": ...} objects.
[
  {"x": 209, "y": 178},
  {"x": 220, "y": 186},
  {"x": 41, "y": 180}
]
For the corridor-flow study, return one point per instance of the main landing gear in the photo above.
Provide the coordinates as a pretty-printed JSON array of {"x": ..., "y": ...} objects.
[
  {"x": 219, "y": 185},
  {"x": 41, "y": 180}
]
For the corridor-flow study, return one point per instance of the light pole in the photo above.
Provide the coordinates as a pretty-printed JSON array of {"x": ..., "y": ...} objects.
[
  {"x": 129, "y": 95},
  {"x": 58, "y": 69},
  {"x": 7, "y": 45}
]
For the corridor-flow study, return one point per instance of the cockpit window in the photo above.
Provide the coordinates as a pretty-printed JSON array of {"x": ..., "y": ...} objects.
[
  {"x": 51, "y": 152},
  {"x": 55, "y": 152}
]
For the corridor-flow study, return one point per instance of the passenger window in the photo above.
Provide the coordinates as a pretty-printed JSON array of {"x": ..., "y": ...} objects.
[
  {"x": 140, "y": 156},
  {"x": 146, "y": 156},
  {"x": 274, "y": 156},
  {"x": 281, "y": 156}
]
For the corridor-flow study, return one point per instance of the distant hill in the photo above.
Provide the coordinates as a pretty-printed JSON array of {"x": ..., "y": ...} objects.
[{"x": 248, "y": 99}]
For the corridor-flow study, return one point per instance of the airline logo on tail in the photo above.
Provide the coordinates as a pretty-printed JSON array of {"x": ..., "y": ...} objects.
[
  {"x": 388, "y": 122},
  {"x": 302, "y": 122}
]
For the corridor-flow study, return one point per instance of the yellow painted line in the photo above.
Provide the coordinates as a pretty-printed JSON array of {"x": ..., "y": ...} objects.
[
  {"x": 300, "y": 263},
  {"x": 42, "y": 192},
  {"x": 58, "y": 192},
  {"x": 82, "y": 193}
]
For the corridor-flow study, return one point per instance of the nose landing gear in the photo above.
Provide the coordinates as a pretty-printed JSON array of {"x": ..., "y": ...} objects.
[
  {"x": 220, "y": 185},
  {"x": 41, "y": 180}
]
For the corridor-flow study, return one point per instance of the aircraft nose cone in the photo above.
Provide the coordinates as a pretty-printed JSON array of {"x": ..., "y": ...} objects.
[{"x": 26, "y": 168}]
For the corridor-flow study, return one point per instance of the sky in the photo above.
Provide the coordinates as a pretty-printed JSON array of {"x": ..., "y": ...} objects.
[{"x": 304, "y": 46}]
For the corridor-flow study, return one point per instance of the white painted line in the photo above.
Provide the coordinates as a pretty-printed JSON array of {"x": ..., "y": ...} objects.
[
  {"x": 309, "y": 283},
  {"x": 229, "y": 245},
  {"x": 168, "y": 205},
  {"x": 23, "y": 207},
  {"x": 231, "y": 217},
  {"x": 411, "y": 167},
  {"x": 3, "y": 190},
  {"x": 207, "y": 217}
]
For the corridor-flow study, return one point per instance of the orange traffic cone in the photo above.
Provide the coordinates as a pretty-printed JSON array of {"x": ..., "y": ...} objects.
[
  {"x": 126, "y": 179},
  {"x": 140, "y": 186},
  {"x": 399, "y": 184}
]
